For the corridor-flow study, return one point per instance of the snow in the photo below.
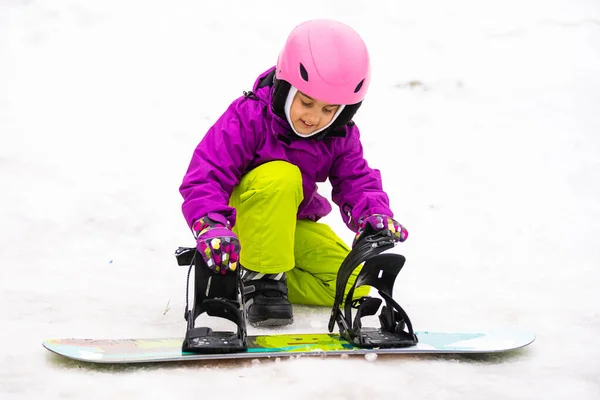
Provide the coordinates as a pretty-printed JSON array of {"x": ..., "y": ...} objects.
[{"x": 482, "y": 117}]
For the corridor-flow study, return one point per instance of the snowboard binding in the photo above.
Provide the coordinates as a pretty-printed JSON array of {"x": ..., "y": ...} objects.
[
  {"x": 216, "y": 295},
  {"x": 379, "y": 271}
]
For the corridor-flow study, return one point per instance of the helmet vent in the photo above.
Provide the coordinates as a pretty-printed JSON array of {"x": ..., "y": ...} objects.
[
  {"x": 303, "y": 72},
  {"x": 359, "y": 86}
]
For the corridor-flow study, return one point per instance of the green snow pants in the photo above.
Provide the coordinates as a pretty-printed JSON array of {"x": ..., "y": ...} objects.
[{"x": 273, "y": 240}]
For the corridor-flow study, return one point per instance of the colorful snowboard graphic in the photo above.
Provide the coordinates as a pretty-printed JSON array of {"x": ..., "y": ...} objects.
[{"x": 125, "y": 351}]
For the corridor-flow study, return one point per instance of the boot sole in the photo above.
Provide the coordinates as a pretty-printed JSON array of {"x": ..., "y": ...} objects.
[{"x": 271, "y": 322}]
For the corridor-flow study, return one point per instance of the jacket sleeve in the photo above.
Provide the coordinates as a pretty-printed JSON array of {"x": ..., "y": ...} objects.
[
  {"x": 217, "y": 165},
  {"x": 356, "y": 188}
]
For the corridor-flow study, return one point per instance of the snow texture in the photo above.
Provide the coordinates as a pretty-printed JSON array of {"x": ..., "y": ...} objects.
[{"x": 483, "y": 117}]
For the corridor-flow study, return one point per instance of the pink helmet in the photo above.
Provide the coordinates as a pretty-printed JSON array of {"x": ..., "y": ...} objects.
[{"x": 326, "y": 60}]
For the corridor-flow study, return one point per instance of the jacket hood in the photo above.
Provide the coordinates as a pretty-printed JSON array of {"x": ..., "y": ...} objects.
[{"x": 263, "y": 86}]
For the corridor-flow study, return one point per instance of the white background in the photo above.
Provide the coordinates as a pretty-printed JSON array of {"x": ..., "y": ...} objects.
[{"x": 483, "y": 118}]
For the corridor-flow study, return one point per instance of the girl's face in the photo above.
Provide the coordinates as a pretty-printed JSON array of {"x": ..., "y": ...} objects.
[{"x": 308, "y": 114}]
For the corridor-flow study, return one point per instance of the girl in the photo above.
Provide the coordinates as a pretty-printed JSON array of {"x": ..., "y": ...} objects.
[{"x": 250, "y": 192}]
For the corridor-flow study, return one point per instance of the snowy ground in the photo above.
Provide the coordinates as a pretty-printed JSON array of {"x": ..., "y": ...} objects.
[{"x": 483, "y": 118}]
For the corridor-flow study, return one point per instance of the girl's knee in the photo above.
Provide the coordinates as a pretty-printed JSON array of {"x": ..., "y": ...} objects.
[{"x": 278, "y": 175}]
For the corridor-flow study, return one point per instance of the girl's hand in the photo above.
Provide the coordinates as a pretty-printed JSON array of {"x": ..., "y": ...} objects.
[
  {"x": 378, "y": 222},
  {"x": 217, "y": 244}
]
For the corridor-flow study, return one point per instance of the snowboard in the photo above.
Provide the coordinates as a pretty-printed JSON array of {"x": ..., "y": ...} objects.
[{"x": 130, "y": 351}]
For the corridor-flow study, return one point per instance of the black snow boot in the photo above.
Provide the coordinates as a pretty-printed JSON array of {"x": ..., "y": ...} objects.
[{"x": 266, "y": 299}]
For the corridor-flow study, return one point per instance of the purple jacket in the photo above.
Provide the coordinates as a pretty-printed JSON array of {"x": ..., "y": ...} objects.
[{"x": 249, "y": 134}]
